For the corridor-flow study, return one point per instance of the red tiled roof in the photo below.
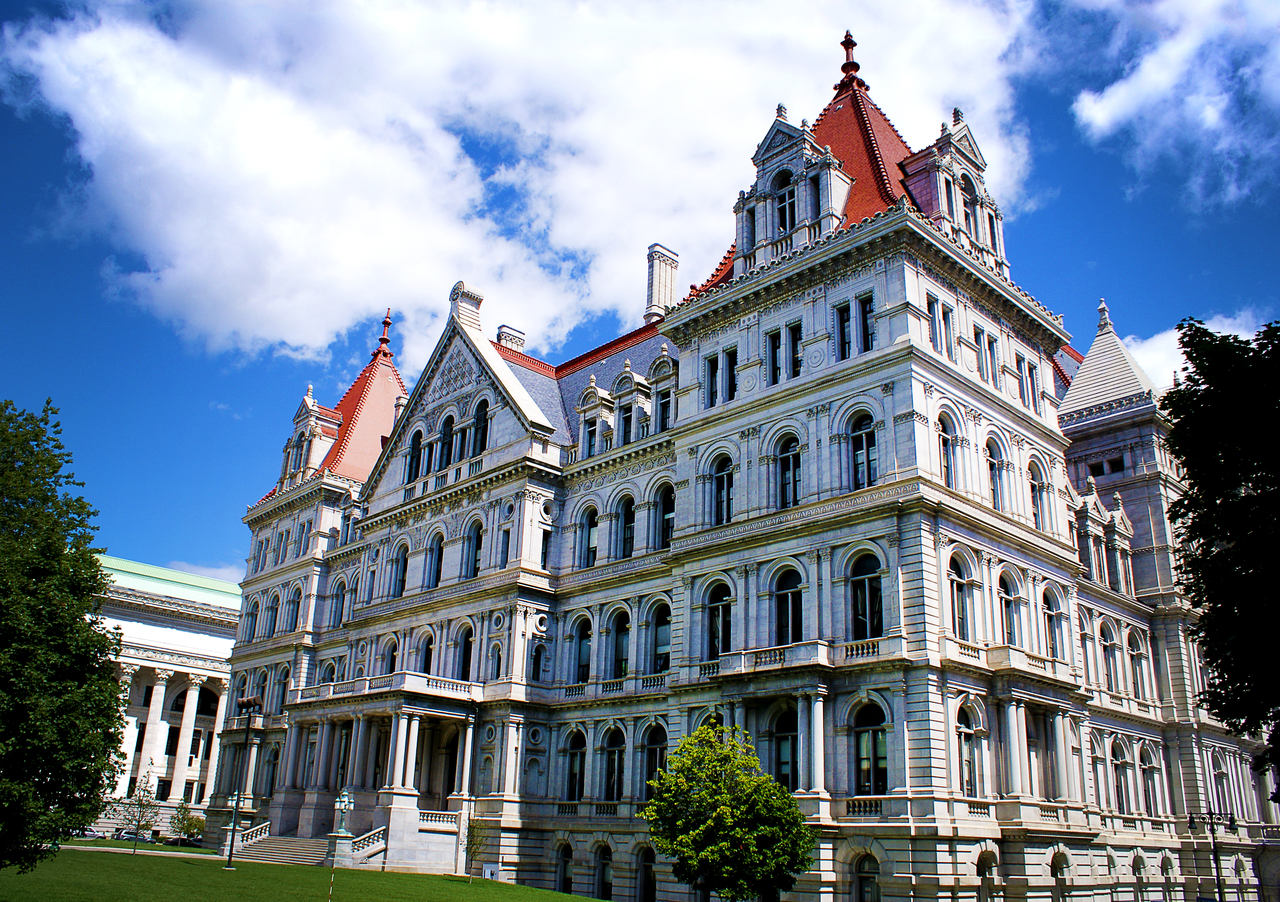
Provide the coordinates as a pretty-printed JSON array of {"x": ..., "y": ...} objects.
[
  {"x": 1060, "y": 372},
  {"x": 723, "y": 273},
  {"x": 1073, "y": 353},
  {"x": 595, "y": 355}
]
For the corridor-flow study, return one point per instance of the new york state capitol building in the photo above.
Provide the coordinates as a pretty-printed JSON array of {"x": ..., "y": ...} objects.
[{"x": 854, "y": 494}]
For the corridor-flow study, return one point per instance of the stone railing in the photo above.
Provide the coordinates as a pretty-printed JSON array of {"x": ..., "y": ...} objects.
[
  {"x": 577, "y": 690},
  {"x": 567, "y": 809},
  {"x": 438, "y": 821},
  {"x": 611, "y": 686},
  {"x": 978, "y": 809},
  {"x": 863, "y": 807},
  {"x": 709, "y": 670},
  {"x": 606, "y": 809},
  {"x": 370, "y": 843},
  {"x": 253, "y": 834},
  {"x": 404, "y": 680},
  {"x": 656, "y": 681}
]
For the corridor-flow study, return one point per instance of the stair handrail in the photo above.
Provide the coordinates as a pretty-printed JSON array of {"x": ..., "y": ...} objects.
[
  {"x": 375, "y": 837},
  {"x": 253, "y": 834}
]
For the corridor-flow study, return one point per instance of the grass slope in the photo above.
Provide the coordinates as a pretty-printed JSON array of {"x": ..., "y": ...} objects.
[{"x": 82, "y": 876}]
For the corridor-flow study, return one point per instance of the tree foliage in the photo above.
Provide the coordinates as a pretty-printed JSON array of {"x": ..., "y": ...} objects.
[
  {"x": 473, "y": 845},
  {"x": 138, "y": 812},
  {"x": 731, "y": 829},
  {"x": 184, "y": 824},
  {"x": 60, "y": 710},
  {"x": 1229, "y": 520}
]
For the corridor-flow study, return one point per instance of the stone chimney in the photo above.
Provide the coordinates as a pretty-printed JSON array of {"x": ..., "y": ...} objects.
[
  {"x": 402, "y": 401},
  {"x": 663, "y": 264},
  {"x": 511, "y": 337},
  {"x": 464, "y": 305}
]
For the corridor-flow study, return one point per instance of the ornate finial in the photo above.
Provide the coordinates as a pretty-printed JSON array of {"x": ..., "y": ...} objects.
[
  {"x": 956, "y": 116},
  {"x": 592, "y": 381},
  {"x": 1104, "y": 317},
  {"x": 1117, "y": 501},
  {"x": 782, "y": 113},
  {"x": 383, "y": 350},
  {"x": 850, "y": 66},
  {"x": 1090, "y": 487},
  {"x": 626, "y": 365},
  {"x": 664, "y": 349},
  {"x": 308, "y": 389}
]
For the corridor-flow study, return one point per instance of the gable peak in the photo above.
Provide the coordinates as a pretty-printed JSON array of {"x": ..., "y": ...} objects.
[
  {"x": 383, "y": 349},
  {"x": 849, "y": 68}
]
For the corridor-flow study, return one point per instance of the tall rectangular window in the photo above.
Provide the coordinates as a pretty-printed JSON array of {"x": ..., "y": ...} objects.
[
  {"x": 625, "y": 418},
  {"x": 664, "y": 410},
  {"x": 991, "y": 227},
  {"x": 844, "y": 333},
  {"x": 948, "y": 331},
  {"x": 590, "y": 448},
  {"x": 1033, "y": 386},
  {"x": 1023, "y": 394},
  {"x": 546, "y": 548},
  {"x": 951, "y": 199},
  {"x": 713, "y": 381},
  {"x": 980, "y": 341},
  {"x": 730, "y": 373},
  {"x": 504, "y": 548},
  {"x": 935, "y": 324},
  {"x": 797, "y": 351},
  {"x": 774, "y": 357},
  {"x": 867, "y": 323},
  {"x": 993, "y": 359}
]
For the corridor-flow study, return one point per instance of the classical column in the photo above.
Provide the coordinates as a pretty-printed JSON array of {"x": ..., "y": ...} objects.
[
  {"x": 335, "y": 757},
  {"x": 395, "y": 751},
  {"x": 511, "y": 754},
  {"x": 804, "y": 741},
  {"x": 465, "y": 763},
  {"x": 370, "y": 754},
  {"x": 284, "y": 773},
  {"x": 410, "y": 780},
  {"x": 220, "y": 687},
  {"x": 183, "y": 752},
  {"x": 428, "y": 756},
  {"x": 1060, "y": 755},
  {"x": 818, "y": 727},
  {"x": 1023, "y": 759},
  {"x": 1014, "y": 751},
  {"x": 127, "y": 673},
  {"x": 354, "y": 761},
  {"x": 319, "y": 773},
  {"x": 251, "y": 770},
  {"x": 156, "y": 735}
]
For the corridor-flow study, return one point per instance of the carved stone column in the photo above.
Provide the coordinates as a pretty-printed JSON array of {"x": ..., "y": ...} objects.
[
  {"x": 127, "y": 673},
  {"x": 151, "y": 767},
  {"x": 182, "y": 754}
]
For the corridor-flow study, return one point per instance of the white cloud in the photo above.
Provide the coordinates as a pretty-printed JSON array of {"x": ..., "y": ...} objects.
[
  {"x": 288, "y": 170},
  {"x": 1198, "y": 88},
  {"x": 232, "y": 573},
  {"x": 1160, "y": 357}
]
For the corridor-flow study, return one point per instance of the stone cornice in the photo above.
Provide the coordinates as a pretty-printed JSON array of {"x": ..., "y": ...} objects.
[
  {"x": 148, "y": 656},
  {"x": 1118, "y": 405},
  {"x": 300, "y": 495},
  {"x": 172, "y": 608}
]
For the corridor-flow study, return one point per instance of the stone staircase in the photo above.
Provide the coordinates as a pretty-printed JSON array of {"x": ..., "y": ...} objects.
[{"x": 284, "y": 850}]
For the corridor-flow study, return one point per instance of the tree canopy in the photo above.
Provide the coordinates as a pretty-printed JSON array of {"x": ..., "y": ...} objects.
[
  {"x": 731, "y": 829},
  {"x": 1229, "y": 519},
  {"x": 60, "y": 710}
]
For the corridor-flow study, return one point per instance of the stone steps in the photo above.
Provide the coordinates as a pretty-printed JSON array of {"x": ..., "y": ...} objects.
[{"x": 285, "y": 850}]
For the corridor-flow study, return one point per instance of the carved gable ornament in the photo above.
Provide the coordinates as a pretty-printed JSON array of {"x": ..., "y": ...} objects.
[{"x": 457, "y": 374}]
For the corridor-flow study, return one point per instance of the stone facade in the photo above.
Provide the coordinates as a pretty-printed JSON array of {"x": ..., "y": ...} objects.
[{"x": 831, "y": 497}]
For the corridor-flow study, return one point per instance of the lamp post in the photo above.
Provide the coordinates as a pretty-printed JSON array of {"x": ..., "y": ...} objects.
[
  {"x": 1213, "y": 821},
  {"x": 251, "y": 704},
  {"x": 344, "y": 804}
]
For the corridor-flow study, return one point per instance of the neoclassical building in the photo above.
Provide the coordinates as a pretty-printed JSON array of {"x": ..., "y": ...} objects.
[
  {"x": 177, "y": 630},
  {"x": 854, "y": 494}
]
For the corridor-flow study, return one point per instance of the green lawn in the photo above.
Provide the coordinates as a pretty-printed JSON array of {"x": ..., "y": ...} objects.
[
  {"x": 82, "y": 876},
  {"x": 142, "y": 846}
]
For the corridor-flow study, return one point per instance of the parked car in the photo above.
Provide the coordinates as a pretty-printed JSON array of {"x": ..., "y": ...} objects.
[
  {"x": 88, "y": 833},
  {"x": 183, "y": 842},
  {"x": 131, "y": 836}
]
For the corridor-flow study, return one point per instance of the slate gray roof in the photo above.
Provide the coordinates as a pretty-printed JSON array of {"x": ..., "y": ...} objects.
[{"x": 1108, "y": 375}]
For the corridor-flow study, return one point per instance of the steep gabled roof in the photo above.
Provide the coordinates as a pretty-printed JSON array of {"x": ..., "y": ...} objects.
[
  {"x": 368, "y": 411},
  {"x": 861, "y": 137},
  {"x": 1108, "y": 373}
]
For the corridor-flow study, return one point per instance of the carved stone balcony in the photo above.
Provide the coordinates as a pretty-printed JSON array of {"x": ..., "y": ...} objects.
[
  {"x": 402, "y": 681},
  {"x": 1013, "y": 658}
]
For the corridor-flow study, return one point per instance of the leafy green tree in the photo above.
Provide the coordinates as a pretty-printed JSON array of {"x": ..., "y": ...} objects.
[
  {"x": 60, "y": 710},
  {"x": 184, "y": 824},
  {"x": 1229, "y": 520},
  {"x": 137, "y": 813},
  {"x": 731, "y": 829},
  {"x": 473, "y": 845}
]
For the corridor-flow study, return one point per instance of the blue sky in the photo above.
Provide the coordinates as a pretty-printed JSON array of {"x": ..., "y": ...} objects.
[{"x": 207, "y": 206}]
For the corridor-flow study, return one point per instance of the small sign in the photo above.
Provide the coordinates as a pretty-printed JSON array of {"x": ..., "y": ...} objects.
[{"x": 490, "y": 872}]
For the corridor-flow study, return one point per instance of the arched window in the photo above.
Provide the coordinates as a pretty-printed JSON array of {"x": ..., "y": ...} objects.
[
  {"x": 582, "y": 650},
  {"x": 789, "y": 472},
  {"x": 273, "y": 608},
  {"x": 947, "y": 447},
  {"x": 960, "y": 613},
  {"x": 564, "y": 870},
  {"x": 426, "y": 654},
  {"x": 661, "y": 639},
  {"x": 627, "y": 531},
  {"x": 337, "y": 602},
  {"x": 282, "y": 691},
  {"x": 784, "y": 191},
  {"x": 413, "y": 469},
  {"x": 995, "y": 474},
  {"x": 788, "y": 610},
  {"x": 666, "y": 516},
  {"x": 292, "y": 608},
  {"x": 495, "y": 662},
  {"x": 1109, "y": 655},
  {"x": 968, "y": 751},
  {"x": 1053, "y": 645},
  {"x": 298, "y": 445},
  {"x": 615, "y": 751},
  {"x": 590, "y": 537},
  {"x": 621, "y": 644},
  {"x": 328, "y": 673},
  {"x": 475, "y": 544},
  {"x": 399, "y": 571},
  {"x": 446, "y": 443},
  {"x": 539, "y": 662},
  {"x": 719, "y": 631},
  {"x": 604, "y": 873},
  {"x": 722, "y": 486},
  {"x": 864, "y": 585},
  {"x": 862, "y": 441},
  {"x": 969, "y": 197},
  {"x": 1123, "y": 769},
  {"x": 435, "y": 561},
  {"x": 250, "y": 629},
  {"x": 390, "y": 656},
  {"x": 480, "y": 429},
  {"x": 871, "y": 750},
  {"x": 1012, "y": 606},
  {"x": 786, "y": 763},
  {"x": 1221, "y": 786},
  {"x": 867, "y": 880},
  {"x": 1150, "y": 783},
  {"x": 465, "y": 641},
  {"x": 1137, "y": 665},
  {"x": 577, "y": 765},
  {"x": 1039, "y": 497},
  {"x": 655, "y": 756}
]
